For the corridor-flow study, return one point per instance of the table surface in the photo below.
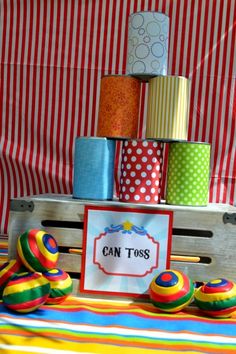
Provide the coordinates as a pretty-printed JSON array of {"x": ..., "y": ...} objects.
[{"x": 101, "y": 326}]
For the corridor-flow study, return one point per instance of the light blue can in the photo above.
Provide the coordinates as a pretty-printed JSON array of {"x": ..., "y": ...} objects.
[
  {"x": 148, "y": 41},
  {"x": 94, "y": 168}
]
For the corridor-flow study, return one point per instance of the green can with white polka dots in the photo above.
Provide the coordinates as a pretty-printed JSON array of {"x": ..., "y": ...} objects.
[{"x": 188, "y": 173}]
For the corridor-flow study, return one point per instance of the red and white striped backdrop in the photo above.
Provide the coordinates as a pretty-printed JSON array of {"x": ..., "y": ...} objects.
[{"x": 53, "y": 54}]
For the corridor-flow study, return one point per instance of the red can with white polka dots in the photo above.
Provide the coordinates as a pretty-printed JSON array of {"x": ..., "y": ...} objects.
[{"x": 141, "y": 171}]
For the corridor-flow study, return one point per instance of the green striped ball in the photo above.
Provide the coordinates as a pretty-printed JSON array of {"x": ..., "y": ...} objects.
[
  {"x": 171, "y": 290},
  {"x": 61, "y": 285},
  {"x": 26, "y": 292},
  {"x": 217, "y": 298}
]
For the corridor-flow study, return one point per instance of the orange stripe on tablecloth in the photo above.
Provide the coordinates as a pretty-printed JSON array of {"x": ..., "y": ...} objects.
[
  {"x": 50, "y": 335},
  {"x": 4, "y": 245},
  {"x": 191, "y": 315},
  {"x": 139, "y": 330},
  {"x": 17, "y": 332},
  {"x": 146, "y": 344}
]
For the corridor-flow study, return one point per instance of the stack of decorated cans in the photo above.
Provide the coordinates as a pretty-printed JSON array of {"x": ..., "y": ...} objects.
[{"x": 167, "y": 119}]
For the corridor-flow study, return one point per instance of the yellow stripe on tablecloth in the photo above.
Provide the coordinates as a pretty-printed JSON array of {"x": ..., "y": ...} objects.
[
  {"x": 143, "y": 308},
  {"x": 3, "y": 254},
  {"x": 3, "y": 259},
  {"x": 23, "y": 345}
]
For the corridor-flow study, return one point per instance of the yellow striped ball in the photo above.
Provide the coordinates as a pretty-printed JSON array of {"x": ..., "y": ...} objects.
[
  {"x": 217, "y": 298},
  {"x": 171, "y": 291},
  {"x": 26, "y": 292},
  {"x": 37, "y": 250},
  {"x": 61, "y": 285}
]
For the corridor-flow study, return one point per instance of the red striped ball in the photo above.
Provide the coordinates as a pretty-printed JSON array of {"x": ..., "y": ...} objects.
[
  {"x": 171, "y": 291},
  {"x": 26, "y": 292},
  {"x": 8, "y": 270},
  {"x": 37, "y": 250}
]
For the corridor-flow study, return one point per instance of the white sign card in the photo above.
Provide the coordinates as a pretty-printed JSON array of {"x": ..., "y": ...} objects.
[{"x": 124, "y": 248}]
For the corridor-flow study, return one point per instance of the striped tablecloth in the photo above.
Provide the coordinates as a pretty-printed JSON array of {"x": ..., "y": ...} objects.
[
  {"x": 3, "y": 250},
  {"x": 98, "y": 326}
]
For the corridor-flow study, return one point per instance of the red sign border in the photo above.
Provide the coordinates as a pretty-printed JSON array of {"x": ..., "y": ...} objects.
[{"x": 120, "y": 209}]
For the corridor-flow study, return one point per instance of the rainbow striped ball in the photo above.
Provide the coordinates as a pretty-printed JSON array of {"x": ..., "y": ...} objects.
[
  {"x": 217, "y": 298},
  {"x": 26, "y": 292},
  {"x": 37, "y": 250},
  {"x": 171, "y": 291},
  {"x": 61, "y": 285},
  {"x": 8, "y": 270}
]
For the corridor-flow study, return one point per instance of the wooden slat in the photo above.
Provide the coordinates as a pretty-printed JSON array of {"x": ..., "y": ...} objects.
[
  {"x": 201, "y": 246},
  {"x": 70, "y": 262},
  {"x": 66, "y": 237}
]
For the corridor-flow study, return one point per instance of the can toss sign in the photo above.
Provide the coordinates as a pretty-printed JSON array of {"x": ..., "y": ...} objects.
[
  {"x": 123, "y": 248},
  {"x": 127, "y": 250}
]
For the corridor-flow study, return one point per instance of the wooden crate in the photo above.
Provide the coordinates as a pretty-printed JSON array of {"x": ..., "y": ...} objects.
[{"x": 206, "y": 232}]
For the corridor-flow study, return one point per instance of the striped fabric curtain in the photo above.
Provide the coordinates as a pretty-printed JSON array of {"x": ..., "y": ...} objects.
[{"x": 53, "y": 54}]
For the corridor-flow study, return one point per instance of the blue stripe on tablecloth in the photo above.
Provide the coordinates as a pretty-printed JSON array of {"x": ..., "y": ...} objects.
[{"x": 163, "y": 322}]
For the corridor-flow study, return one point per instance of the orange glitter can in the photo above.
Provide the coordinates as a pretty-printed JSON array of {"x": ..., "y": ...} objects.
[{"x": 119, "y": 107}]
